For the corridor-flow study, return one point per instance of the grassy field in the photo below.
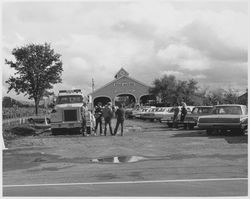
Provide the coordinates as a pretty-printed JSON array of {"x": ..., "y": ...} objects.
[{"x": 9, "y": 113}]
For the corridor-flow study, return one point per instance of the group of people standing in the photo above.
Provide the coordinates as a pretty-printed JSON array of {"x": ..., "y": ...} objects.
[
  {"x": 106, "y": 114},
  {"x": 176, "y": 113}
]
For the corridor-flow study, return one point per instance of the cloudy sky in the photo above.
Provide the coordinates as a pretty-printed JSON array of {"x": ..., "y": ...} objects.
[{"x": 206, "y": 41}]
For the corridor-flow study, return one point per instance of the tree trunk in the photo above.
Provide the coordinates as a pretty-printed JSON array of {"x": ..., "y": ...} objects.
[{"x": 36, "y": 106}]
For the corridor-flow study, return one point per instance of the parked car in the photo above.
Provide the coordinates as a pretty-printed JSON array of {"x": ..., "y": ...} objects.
[
  {"x": 192, "y": 118},
  {"x": 150, "y": 114},
  {"x": 225, "y": 117},
  {"x": 141, "y": 112},
  {"x": 128, "y": 112},
  {"x": 145, "y": 114},
  {"x": 168, "y": 117},
  {"x": 158, "y": 114},
  {"x": 135, "y": 112}
]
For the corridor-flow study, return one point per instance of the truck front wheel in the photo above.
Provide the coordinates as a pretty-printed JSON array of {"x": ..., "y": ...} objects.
[
  {"x": 170, "y": 125},
  {"x": 185, "y": 126},
  {"x": 55, "y": 131},
  {"x": 191, "y": 126},
  {"x": 209, "y": 131}
]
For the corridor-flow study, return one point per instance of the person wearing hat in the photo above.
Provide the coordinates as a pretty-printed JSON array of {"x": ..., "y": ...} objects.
[{"x": 107, "y": 115}]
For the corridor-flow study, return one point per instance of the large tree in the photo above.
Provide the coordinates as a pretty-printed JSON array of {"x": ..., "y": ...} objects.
[
  {"x": 231, "y": 96},
  {"x": 37, "y": 68},
  {"x": 221, "y": 96},
  {"x": 171, "y": 91},
  {"x": 165, "y": 88}
]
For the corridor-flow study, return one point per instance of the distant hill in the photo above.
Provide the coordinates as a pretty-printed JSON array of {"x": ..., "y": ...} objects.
[{"x": 10, "y": 102}]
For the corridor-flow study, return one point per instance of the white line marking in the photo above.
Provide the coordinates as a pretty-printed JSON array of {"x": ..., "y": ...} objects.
[{"x": 127, "y": 182}]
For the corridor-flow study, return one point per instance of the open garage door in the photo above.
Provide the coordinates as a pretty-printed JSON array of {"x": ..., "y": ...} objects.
[
  {"x": 148, "y": 100},
  {"x": 104, "y": 100},
  {"x": 127, "y": 100}
]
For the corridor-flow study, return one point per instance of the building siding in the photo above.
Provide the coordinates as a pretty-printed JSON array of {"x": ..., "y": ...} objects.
[{"x": 123, "y": 85}]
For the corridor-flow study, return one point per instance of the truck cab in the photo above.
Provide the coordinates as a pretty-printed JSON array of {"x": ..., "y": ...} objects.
[{"x": 67, "y": 112}]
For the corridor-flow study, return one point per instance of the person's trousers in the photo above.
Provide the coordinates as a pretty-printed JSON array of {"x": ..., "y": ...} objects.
[
  {"x": 83, "y": 125},
  {"x": 107, "y": 122},
  {"x": 98, "y": 121},
  {"x": 175, "y": 121},
  {"x": 119, "y": 122},
  {"x": 183, "y": 115}
]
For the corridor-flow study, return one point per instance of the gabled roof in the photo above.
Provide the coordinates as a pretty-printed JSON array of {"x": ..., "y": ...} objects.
[
  {"x": 118, "y": 80},
  {"x": 121, "y": 72}
]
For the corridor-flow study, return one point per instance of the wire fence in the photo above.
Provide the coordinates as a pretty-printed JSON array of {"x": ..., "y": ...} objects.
[{"x": 20, "y": 112}]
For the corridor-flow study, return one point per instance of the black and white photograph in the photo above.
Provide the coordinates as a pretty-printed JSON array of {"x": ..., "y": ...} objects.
[{"x": 124, "y": 98}]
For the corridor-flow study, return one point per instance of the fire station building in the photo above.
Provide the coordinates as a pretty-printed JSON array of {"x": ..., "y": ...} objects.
[{"x": 122, "y": 89}]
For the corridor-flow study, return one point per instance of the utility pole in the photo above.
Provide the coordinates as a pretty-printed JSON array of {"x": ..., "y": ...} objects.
[{"x": 93, "y": 85}]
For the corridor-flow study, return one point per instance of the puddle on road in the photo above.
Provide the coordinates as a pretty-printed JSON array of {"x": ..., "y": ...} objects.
[
  {"x": 119, "y": 159},
  {"x": 14, "y": 160}
]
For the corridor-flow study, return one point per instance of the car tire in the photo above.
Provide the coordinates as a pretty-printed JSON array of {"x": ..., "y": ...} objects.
[
  {"x": 170, "y": 125},
  {"x": 55, "y": 131},
  {"x": 237, "y": 132},
  {"x": 78, "y": 130},
  {"x": 191, "y": 126},
  {"x": 209, "y": 132},
  {"x": 240, "y": 132},
  {"x": 185, "y": 126}
]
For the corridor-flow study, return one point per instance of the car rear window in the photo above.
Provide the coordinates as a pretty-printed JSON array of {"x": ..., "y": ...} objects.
[
  {"x": 235, "y": 110},
  {"x": 200, "y": 110}
]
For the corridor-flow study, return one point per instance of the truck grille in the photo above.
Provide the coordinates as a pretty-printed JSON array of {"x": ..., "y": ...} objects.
[{"x": 70, "y": 115}]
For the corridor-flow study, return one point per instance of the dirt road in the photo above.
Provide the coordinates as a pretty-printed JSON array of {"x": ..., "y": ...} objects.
[{"x": 148, "y": 152}]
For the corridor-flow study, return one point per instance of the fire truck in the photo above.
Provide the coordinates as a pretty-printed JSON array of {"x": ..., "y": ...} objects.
[{"x": 67, "y": 112}]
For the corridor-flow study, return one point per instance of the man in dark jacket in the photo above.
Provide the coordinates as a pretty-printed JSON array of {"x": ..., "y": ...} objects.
[
  {"x": 120, "y": 115},
  {"x": 107, "y": 115},
  {"x": 98, "y": 117}
]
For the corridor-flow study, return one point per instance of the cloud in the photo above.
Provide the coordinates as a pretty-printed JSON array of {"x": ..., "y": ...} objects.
[
  {"x": 183, "y": 75},
  {"x": 207, "y": 42},
  {"x": 184, "y": 57},
  {"x": 203, "y": 38}
]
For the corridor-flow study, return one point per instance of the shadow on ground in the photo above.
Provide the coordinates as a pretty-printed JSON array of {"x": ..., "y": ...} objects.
[{"x": 230, "y": 138}]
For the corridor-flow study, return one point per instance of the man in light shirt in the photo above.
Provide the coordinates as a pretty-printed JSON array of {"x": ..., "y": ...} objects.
[{"x": 183, "y": 111}]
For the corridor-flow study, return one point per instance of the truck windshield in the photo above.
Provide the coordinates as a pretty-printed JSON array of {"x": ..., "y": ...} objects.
[
  {"x": 69, "y": 99},
  {"x": 235, "y": 110}
]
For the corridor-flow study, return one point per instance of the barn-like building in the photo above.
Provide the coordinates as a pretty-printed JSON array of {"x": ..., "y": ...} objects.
[{"x": 123, "y": 89}]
